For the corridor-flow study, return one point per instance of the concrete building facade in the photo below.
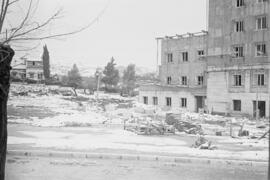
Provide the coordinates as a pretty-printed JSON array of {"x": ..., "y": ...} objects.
[
  {"x": 238, "y": 61},
  {"x": 182, "y": 74},
  {"x": 232, "y": 59}
]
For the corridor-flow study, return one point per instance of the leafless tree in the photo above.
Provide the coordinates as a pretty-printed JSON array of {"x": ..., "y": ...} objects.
[{"x": 26, "y": 30}]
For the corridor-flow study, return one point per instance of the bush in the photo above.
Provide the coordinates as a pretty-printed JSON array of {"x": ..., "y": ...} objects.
[
  {"x": 32, "y": 81},
  {"x": 52, "y": 82},
  {"x": 112, "y": 90},
  {"x": 65, "y": 85},
  {"x": 16, "y": 79}
]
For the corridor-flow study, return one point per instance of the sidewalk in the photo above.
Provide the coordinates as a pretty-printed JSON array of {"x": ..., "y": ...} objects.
[{"x": 137, "y": 157}]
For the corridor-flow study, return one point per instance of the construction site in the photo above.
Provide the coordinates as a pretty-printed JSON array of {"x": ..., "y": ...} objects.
[
  {"x": 65, "y": 131},
  {"x": 108, "y": 112},
  {"x": 206, "y": 116}
]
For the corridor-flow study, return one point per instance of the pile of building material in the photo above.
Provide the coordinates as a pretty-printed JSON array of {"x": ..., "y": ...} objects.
[
  {"x": 183, "y": 125},
  {"x": 39, "y": 90},
  {"x": 203, "y": 143},
  {"x": 194, "y": 123},
  {"x": 148, "y": 126}
]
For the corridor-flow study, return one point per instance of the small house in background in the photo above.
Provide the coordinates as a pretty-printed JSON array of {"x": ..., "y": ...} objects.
[
  {"x": 34, "y": 70},
  {"x": 23, "y": 69},
  {"x": 19, "y": 69}
]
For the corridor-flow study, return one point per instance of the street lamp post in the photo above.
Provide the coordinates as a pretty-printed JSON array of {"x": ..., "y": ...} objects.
[{"x": 98, "y": 74}]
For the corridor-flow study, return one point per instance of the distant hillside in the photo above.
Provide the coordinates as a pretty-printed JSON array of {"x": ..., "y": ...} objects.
[
  {"x": 89, "y": 70},
  {"x": 139, "y": 70},
  {"x": 63, "y": 69}
]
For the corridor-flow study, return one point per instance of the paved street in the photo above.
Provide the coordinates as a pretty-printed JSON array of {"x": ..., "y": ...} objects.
[{"x": 33, "y": 168}]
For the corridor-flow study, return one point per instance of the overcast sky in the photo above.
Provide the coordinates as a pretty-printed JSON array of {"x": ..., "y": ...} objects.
[{"x": 126, "y": 30}]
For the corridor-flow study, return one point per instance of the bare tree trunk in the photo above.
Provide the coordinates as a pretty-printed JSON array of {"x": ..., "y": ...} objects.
[{"x": 6, "y": 55}]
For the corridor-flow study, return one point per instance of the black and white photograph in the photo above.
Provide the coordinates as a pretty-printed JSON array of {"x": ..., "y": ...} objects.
[{"x": 134, "y": 89}]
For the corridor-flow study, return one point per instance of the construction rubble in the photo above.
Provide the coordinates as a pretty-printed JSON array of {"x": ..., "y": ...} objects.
[
  {"x": 203, "y": 143},
  {"x": 152, "y": 120},
  {"x": 39, "y": 90},
  {"x": 183, "y": 125},
  {"x": 197, "y": 124},
  {"x": 146, "y": 126}
]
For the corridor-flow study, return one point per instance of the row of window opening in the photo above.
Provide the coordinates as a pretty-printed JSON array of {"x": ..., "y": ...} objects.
[
  {"x": 258, "y": 80},
  {"x": 184, "y": 55},
  {"x": 260, "y": 50},
  {"x": 241, "y": 3},
  {"x": 238, "y": 52},
  {"x": 168, "y": 101},
  {"x": 261, "y": 24},
  {"x": 184, "y": 80}
]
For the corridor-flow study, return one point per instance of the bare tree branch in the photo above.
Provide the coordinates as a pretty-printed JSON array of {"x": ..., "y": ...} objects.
[
  {"x": 23, "y": 21},
  {"x": 2, "y": 20},
  {"x": 25, "y": 49},
  {"x": 49, "y": 36},
  {"x": 37, "y": 27},
  {"x": 13, "y": 2},
  {"x": 1, "y": 15},
  {"x": 29, "y": 30},
  {"x": 24, "y": 32}
]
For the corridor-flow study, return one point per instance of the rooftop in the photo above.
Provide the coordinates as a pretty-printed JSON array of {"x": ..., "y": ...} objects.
[{"x": 187, "y": 35}]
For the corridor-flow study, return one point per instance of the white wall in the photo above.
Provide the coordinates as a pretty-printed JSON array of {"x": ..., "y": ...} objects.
[
  {"x": 217, "y": 92},
  {"x": 220, "y": 95},
  {"x": 176, "y": 98},
  {"x": 35, "y": 71}
]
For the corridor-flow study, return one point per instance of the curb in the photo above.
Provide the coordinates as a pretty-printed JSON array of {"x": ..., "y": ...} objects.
[{"x": 192, "y": 160}]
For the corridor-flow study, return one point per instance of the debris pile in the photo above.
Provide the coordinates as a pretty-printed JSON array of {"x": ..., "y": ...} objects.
[
  {"x": 203, "y": 143},
  {"x": 183, "y": 125},
  {"x": 206, "y": 124},
  {"x": 147, "y": 126},
  {"x": 39, "y": 90}
]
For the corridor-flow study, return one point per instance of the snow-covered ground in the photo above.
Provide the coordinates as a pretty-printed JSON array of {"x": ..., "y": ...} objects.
[
  {"x": 106, "y": 109},
  {"x": 66, "y": 110},
  {"x": 118, "y": 139},
  {"x": 42, "y": 107}
]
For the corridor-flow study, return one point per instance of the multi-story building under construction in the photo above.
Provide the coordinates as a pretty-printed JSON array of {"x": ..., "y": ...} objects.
[{"x": 225, "y": 70}]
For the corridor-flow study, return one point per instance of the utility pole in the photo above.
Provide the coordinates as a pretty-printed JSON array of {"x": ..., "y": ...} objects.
[
  {"x": 269, "y": 108},
  {"x": 98, "y": 81},
  {"x": 98, "y": 85},
  {"x": 155, "y": 100}
]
